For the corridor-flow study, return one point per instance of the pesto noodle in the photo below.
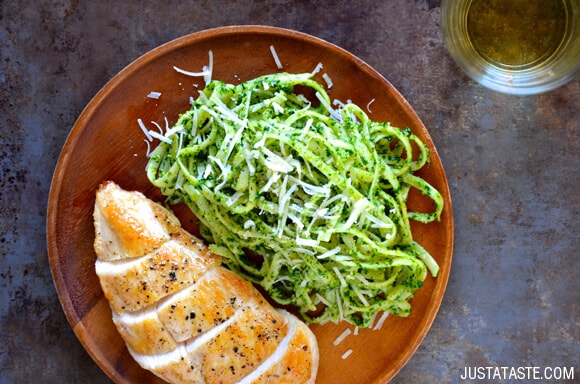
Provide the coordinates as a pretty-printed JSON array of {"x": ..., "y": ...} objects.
[{"x": 303, "y": 199}]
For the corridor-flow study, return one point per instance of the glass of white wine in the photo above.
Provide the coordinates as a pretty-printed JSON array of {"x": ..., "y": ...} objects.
[{"x": 519, "y": 47}]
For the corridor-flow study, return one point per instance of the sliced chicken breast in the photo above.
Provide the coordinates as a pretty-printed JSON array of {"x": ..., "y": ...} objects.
[{"x": 182, "y": 315}]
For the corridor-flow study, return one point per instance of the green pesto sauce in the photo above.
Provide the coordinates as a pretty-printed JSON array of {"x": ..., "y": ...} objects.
[{"x": 516, "y": 32}]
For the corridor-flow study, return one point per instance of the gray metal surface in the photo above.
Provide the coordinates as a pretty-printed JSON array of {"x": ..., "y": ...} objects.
[{"x": 512, "y": 164}]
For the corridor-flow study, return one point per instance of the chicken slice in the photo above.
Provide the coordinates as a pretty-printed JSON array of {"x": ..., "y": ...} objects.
[
  {"x": 133, "y": 284},
  {"x": 173, "y": 367},
  {"x": 128, "y": 225},
  {"x": 211, "y": 301},
  {"x": 248, "y": 340},
  {"x": 295, "y": 360},
  {"x": 144, "y": 333}
]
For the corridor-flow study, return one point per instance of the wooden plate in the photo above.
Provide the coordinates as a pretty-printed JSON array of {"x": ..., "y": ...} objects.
[{"x": 106, "y": 143}]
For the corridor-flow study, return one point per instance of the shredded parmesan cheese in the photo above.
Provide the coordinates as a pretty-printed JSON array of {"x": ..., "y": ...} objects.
[
  {"x": 276, "y": 58},
  {"x": 342, "y": 336},
  {"x": 189, "y": 73},
  {"x": 160, "y": 137},
  {"x": 328, "y": 80},
  {"x": 357, "y": 210},
  {"x": 144, "y": 129},
  {"x": 158, "y": 127},
  {"x": 317, "y": 69},
  {"x": 381, "y": 321},
  {"x": 333, "y": 112},
  {"x": 308, "y": 242},
  {"x": 327, "y": 254},
  {"x": 206, "y": 71},
  {"x": 148, "y": 153},
  {"x": 369, "y": 105},
  {"x": 346, "y": 354},
  {"x": 340, "y": 277},
  {"x": 209, "y": 69}
]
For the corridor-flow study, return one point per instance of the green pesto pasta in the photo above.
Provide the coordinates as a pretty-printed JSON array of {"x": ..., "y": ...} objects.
[{"x": 303, "y": 199}]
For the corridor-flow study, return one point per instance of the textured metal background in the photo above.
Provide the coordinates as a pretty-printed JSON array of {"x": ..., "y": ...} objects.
[{"x": 512, "y": 164}]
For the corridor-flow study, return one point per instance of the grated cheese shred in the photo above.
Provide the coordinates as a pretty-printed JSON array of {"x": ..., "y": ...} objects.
[
  {"x": 276, "y": 57},
  {"x": 328, "y": 80},
  {"x": 381, "y": 321},
  {"x": 154, "y": 95},
  {"x": 342, "y": 337},
  {"x": 346, "y": 354},
  {"x": 144, "y": 129}
]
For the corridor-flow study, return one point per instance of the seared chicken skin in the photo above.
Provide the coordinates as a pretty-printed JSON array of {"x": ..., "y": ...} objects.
[{"x": 182, "y": 315}]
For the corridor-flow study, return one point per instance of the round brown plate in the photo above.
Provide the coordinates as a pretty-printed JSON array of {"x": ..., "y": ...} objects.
[{"x": 107, "y": 143}]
